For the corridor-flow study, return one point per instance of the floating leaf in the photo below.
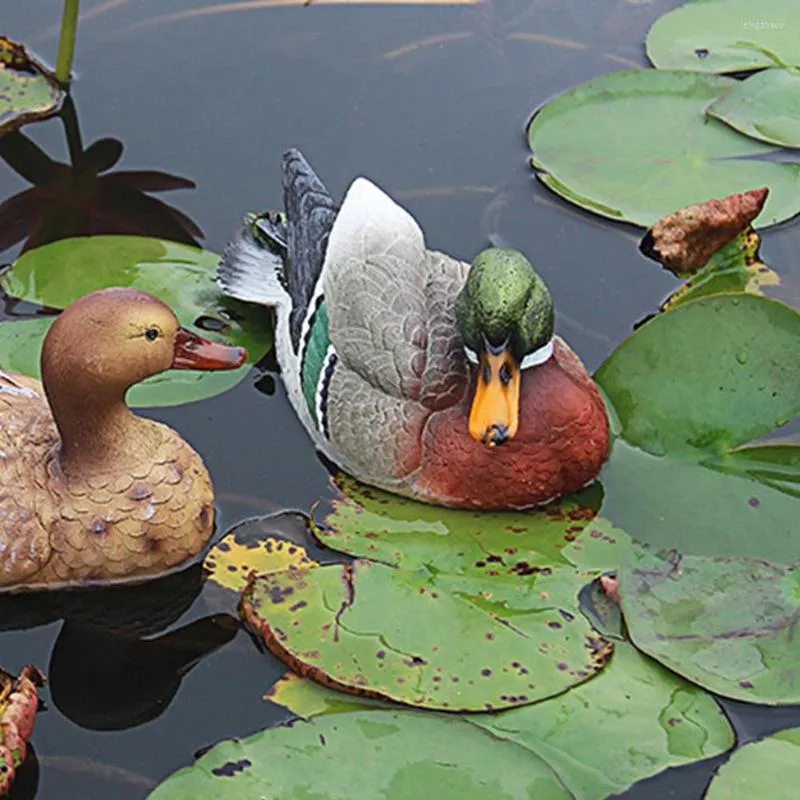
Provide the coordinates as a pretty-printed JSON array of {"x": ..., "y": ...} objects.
[
  {"x": 768, "y": 768},
  {"x": 736, "y": 267},
  {"x": 28, "y": 91},
  {"x": 644, "y": 719},
  {"x": 648, "y": 718},
  {"x": 182, "y": 276},
  {"x": 637, "y": 145},
  {"x": 230, "y": 561},
  {"x": 699, "y": 508},
  {"x": 726, "y": 624},
  {"x": 369, "y": 523},
  {"x": 776, "y": 466},
  {"x": 18, "y": 705},
  {"x": 685, "y": 240},
  {"x": 766, "y": 106},
  {"x": 726, "y": 36},
  {"x": 710, "y": 375},
  {"x": 482, "y": 647},
  {"x": 364, "y": 755}
]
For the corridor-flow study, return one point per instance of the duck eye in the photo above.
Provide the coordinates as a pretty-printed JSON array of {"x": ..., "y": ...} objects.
[{"x": 151, "y": 334}]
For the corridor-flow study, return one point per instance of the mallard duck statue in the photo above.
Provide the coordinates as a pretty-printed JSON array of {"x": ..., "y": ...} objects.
[{"x": 411, "y": 370}]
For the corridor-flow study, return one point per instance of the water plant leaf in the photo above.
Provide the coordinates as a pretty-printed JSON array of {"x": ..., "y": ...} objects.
[
  {"x": 766, "y": 106},
  {"x": 736, "y": 267},
  {"x": 400, "y": 754},
  {"x": 482, "y": 647},
  {"x": 659, "y": 720},
  {"x": 19, "y": 703},
  {"x": 369, "y": 523},
  {"x": 710, "y": 375},
  {"x": 183, "y": 277},
  {"x": 684, "y": 241},
  {"x": 767, "y": 768},
  {"x": 725, "y": 623},
  {"x": 636, "y": 145},
  {"x": 776, "y": 465},
  {"x": 701, "y": 508},
  {"x": 230, "y": 561},
  {"x": 28, "y": 91},
  {"x": 725, "y": 36}
]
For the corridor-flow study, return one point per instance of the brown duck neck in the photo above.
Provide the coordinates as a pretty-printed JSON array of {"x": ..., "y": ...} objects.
[{"x": 98, "y": 430}]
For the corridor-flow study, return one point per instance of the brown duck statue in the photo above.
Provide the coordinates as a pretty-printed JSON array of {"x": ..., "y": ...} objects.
[{"x": 89, "y": 492}]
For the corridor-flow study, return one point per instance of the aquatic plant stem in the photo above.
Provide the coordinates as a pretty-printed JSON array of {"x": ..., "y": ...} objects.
[{"x": 66, "y": 42}]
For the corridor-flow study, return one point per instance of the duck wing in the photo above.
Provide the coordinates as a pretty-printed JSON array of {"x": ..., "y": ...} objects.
[
  {"x": 391, "y": 302},
  {"x": 27, "y": 436}
]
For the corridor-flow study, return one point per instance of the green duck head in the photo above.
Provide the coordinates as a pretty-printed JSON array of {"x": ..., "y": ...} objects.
[{"x": 505, "y": 314}]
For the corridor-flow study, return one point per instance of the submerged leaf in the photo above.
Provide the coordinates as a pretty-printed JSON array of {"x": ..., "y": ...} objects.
[
  {"x": 636, "y": 145},
  {"x": 28, "y": 91},
  {"x": 767, "y": 768},
  {"x": 726, "y": 624},
  {"x": 726, "y": 35},
  {"x": 685, "y": 240},
  {"x": 181, "y": 276},
  {"x": 482, "y": 647},
  {"x": 364, "y": 755},
  {"x": 712, "y": 374}
]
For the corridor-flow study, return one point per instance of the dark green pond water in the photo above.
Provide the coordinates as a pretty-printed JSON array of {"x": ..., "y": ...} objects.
[{"x": 431, "y": 103}]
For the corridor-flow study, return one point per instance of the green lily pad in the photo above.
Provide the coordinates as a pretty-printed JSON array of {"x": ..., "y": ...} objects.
[
  {"x": 735, "y": 267},
  {"x": 713, "y": 508},
  {"x": 483, "y": 646},
  {"x": 710, "y": 375},
  {"x": 28, "y": 91},
  {"x": 364, "y": 755},
  {"x": 636, "y": 145},
  {"x": 769, "y": 768},
  {"x": 776, "y": 466},
  {"x": 644, "y": 719},
  {"x": 369, "y": 523},
  {"x": 726, "y": 624},
  {"x": 726, "y": 35},
  {"x": 183, "y": 277},
  {"x": 766, "y": 106}
]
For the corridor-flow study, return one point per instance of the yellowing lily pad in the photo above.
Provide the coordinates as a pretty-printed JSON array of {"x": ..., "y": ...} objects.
[
  {"x": 365, "y": 755},
  {"x": 482, "y": 646},
  {"x": 182, "y": 276},
  {"x": 230, "y": 562},
  {"x": 726, "y": 624},
  {"x": 28, "y": 91}
]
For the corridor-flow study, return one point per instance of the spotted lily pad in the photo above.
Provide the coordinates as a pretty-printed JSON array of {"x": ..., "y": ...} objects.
[
  {"x": 364, "y": 755},
  {"x": 28, "y": 91},
  {"x": 636, "y": 145},
  {"x": 18, "y": 705},
  {"x": 57, "y": 274},
  {"x": 369, "y": 523},
  {"x": 726, "y": 35},
  {"x": 646, "y": 717},
  {"x": 768, "y": 768},
  {"x": 766, "y": 106},
  {"x": 483, "y": 645},
  {"x": 726, "y": 624},
  {"x": 712, "y": 374}
]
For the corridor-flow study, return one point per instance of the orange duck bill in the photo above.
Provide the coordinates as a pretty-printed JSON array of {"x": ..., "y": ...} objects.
[
  {"x": 195, "y": 352},
  {"x": 494, "y": 416}
]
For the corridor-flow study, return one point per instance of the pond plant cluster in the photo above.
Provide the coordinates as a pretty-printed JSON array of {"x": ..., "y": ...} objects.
[{"x": 573, "y": 650}]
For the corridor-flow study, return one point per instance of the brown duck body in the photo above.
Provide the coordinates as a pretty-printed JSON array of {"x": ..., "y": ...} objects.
[{"x": 89, "y": 492}]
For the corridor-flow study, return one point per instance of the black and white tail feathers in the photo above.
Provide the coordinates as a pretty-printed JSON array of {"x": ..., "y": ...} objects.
[{"x": 272, "y": 255}]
